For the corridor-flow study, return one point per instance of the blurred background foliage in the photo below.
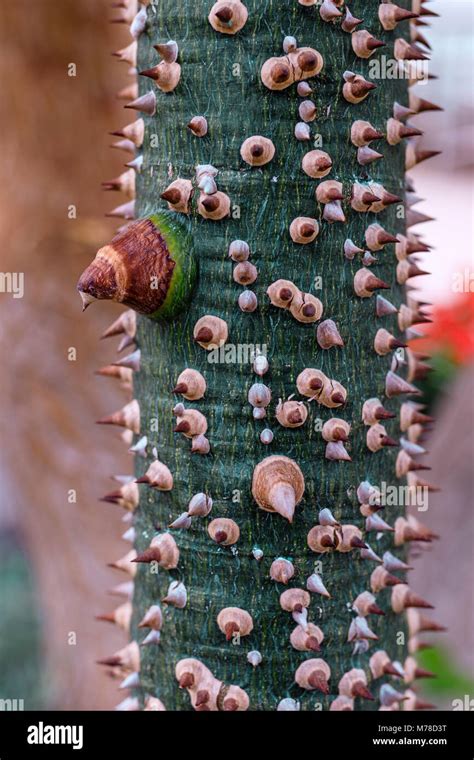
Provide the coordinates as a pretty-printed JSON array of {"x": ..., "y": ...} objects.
[
  {"x": 450, "y": 681},
  {"x": 20, "y": 627}
]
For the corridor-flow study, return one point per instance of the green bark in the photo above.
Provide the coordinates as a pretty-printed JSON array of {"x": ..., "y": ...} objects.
[{"x": 269, "y": 198}]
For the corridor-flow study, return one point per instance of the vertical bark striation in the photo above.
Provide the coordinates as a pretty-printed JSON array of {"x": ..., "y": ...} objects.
[{"x": 237, "y": 106}]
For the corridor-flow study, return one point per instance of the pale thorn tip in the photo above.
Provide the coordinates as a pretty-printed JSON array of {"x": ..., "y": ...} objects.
[{"x": 87, "y": 299}]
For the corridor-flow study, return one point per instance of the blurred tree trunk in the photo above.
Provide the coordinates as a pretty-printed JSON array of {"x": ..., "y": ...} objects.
[
  {"x": 54, "y": 146},
  {"x": 451, "y": 446}
]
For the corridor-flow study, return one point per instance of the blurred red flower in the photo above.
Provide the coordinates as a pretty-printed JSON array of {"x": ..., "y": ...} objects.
[{"x": 451, "y": 332}]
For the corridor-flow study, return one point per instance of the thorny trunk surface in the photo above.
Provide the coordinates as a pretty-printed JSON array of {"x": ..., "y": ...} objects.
[{"x": 221, "y": 80}]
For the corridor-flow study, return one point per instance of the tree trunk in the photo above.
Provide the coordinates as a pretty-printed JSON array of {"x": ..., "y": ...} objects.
[{"x": 221, "y": 80}]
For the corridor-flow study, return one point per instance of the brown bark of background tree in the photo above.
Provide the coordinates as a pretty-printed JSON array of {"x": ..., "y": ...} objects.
[
  {"x": 55, "y": 153},
  {"x": 263, "y": 202}
]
